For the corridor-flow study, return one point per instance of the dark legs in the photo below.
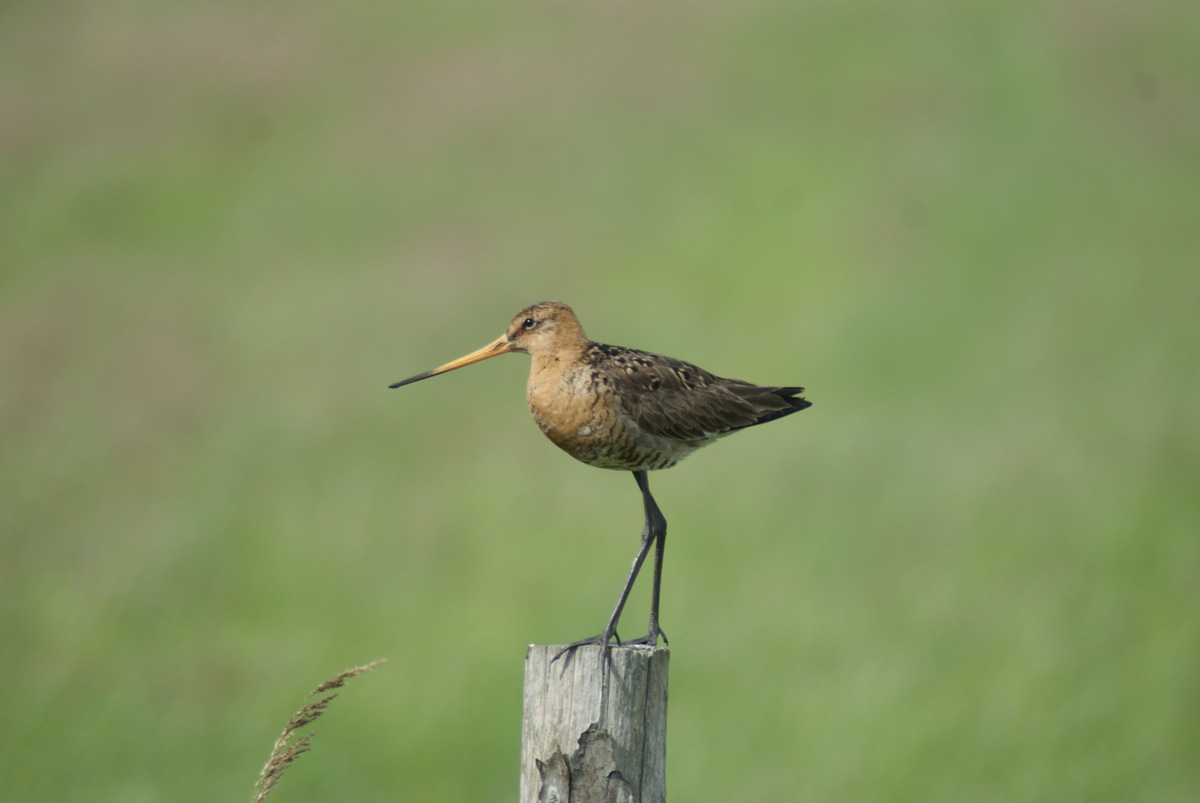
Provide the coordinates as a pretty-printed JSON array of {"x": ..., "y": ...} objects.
[{"x": 654, "y": 533}]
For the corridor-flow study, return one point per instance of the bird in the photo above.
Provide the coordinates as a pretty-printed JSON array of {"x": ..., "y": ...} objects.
[{"x": 625, "y": 409}]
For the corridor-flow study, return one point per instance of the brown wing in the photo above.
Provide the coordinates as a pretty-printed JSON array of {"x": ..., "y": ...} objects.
[{"x": 675, "y": 399}]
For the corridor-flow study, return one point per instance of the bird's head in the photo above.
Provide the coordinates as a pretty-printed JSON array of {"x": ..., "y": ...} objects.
[{"x": 544, "y": 329}]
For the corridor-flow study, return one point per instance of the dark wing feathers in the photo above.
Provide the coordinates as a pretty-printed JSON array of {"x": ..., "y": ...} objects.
[{"x": 678, "y": 400}]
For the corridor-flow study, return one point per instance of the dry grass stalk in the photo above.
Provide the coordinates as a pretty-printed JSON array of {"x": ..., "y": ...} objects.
[{"x": 290, "y": 746}]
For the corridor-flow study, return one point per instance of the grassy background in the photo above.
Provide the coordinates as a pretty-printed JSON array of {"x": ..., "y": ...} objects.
[{"x": 970, "y": 572}]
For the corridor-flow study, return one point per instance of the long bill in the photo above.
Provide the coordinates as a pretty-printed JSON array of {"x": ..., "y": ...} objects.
[{"x": 500, "y": 345}]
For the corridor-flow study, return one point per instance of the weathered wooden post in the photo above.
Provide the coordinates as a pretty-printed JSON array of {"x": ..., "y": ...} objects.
[{"x": 590, "y": 736}]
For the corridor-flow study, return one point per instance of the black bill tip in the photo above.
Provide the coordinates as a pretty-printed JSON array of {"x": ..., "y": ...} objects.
[{"x": 410, "y": 380}]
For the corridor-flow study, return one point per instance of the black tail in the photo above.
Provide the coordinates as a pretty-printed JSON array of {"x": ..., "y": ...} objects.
[
  {"x": 790, "y": 397},
  {"x": 775, "y": 403}
]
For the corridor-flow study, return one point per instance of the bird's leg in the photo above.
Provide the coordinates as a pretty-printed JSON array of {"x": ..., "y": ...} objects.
[
  {"x": 610, "y": 629},
  {"x": 654, "y": 532}
]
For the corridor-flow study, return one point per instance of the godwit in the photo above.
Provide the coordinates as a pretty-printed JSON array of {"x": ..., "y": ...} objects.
[{"x": 621, "y": 408}]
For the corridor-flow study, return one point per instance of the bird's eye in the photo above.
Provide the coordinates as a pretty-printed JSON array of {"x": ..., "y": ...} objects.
[{"x": 528, "y": 323}]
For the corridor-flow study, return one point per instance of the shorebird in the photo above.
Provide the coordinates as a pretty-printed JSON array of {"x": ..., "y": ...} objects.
[{"x": 620, "y": 408}]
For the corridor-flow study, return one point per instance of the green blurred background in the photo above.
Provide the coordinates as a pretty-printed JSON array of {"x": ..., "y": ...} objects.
[{"x": 969, "y": 572}]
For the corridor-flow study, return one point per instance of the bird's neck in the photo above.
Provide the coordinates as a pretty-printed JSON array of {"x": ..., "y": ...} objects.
[{"x": 553, "y": 365}]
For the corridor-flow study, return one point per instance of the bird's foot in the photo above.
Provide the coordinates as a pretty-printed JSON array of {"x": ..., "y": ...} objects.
[
  {"x": 610, "y": 640},
  {"x": 651, "y": 637},
  {"x": 603, "y": 640}
]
